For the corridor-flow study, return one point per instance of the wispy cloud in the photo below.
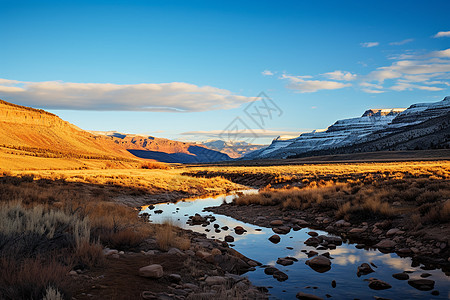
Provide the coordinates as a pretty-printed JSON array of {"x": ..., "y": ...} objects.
[
  {"x": 369, "y": 44},
  {"x": 340, "y": 75},
  {"x": 399, "y": 43},
  {"x": 426, "y": 71},
  {"x": 163, "y": 97},
  {"x": 267, "y": 73},
  {"x": 442, "y": 34},
  {"x": 301, "y": 85}
]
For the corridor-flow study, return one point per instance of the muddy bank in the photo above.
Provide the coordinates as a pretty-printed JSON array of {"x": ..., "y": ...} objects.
[
  {"x": 429, "y": 245},
  {"x": 208, "y": 269}
]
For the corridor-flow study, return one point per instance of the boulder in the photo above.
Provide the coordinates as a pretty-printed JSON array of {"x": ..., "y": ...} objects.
[
  {"x": 319, "y": 261},
  {"x": 312, "y": 241},
  {"x": 270, "y": 270},
  {"x": 229, "y": 239},
  {"x": 305, "y": 296},
  {"x": 401, "y": 276},
  {"x": 275, "y": 239},
  {"x": 281, "y": 229},
  {"x": 376, "y": 284},
  {"x": 276, "y": 223},
  {"x": 239, "y": 230},
  {"x": 280, "y": 276},
  {"x": 386, "y": 244},
  {"x": 152, "y": 271},
  {"x": 364, "y": 269},
  {"x": 313, "y": 233},
  {"x": 422, "y": 284}
]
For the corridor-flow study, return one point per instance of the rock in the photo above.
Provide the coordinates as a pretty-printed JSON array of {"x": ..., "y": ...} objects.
[
  {"x": 358, "y": 230},
  {"x": 312, "y": 253},
  {"x": 225, "y": 228},
  {"x": 73, "y": 272},
  {"x": 216, "y": 226},
  {"x": 159, "y": 211},
  {"x": 197, "y": 219},
  {"x": 175, "y": 251},
  {"x": 376, "y": 284},
  {"x": 229, "y": 239},
  {"x": 275, "y": 239},
  {"x": 422, "y": 284},
  {"x": 284, "y": 262},
  {"x": 305, "y": 296},
  {"x": 401, "y": 276},
  {"x": 392, "y": 231},
  {"x": 276, "y": 223},
  {"x": 239, "y": 230},
  {"x": 206, "y": 256},
  {"x": 108, "y": 252},
  {"x": 280, "y": 276},
  {"x": 333, "y": 284},
  {"x": 342, "y": 223},
  {"x": 386, "y": 244},
  {"x": 270, "y": 270},
  {"x": 253, "y": 263},
  {"x": 313, "y": 233},
  {"x": 312, "y": 241},
  {"x": 282, "y": 229},
  {"x": 360, "y": 246},
  {"x": 364, "y": 269},
  {"x": 425, "y": 275},
  {"x": 216, "y": 251},
  {"x": 435, "y": 293},
  {"x": 152, "y": 271},
  {"x": 215, "y": 280},
  {"x": 319, "y": 264},
  {"x": 115, "y": 256},
  {"x": 175, "y": 278},
  {"x": 404, "y": 251}
]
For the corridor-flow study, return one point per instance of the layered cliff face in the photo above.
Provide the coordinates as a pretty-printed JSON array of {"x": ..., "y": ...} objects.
[{"x": 369, "y": 132}]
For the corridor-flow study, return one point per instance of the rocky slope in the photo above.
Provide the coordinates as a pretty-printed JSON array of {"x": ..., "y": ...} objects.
[{"x": 421, "y": 126}]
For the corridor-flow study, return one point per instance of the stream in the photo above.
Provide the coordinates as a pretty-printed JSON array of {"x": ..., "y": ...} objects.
[{"x": 346, "y": 258}]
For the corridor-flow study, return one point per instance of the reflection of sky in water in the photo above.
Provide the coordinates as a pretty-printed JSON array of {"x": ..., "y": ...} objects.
[{"x": 347, "y": 258}]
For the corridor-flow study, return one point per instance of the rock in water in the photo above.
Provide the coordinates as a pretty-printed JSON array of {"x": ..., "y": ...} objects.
[
  {"x": 422, "y": 284},
  {"x": 305, "y": 296},
  {"x": 364, "y": 269},
  {"x": 275, "y": 239},
  {"x": 377, "y": 284}
]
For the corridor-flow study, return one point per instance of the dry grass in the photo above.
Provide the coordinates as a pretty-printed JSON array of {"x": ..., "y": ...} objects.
[
  {"x": 374, "y": 192},
  {"x": 168, "y": 236}
]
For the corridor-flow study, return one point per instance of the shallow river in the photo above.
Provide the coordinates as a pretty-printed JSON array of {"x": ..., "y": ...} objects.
[{"x": 255, "y": 245}]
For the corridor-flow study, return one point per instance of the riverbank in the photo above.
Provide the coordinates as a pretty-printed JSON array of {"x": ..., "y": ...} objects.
[{"x": 79, "y": 243}]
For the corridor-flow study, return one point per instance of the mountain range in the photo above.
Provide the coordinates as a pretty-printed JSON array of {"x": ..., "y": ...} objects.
[{"x": 421, "y": 126}]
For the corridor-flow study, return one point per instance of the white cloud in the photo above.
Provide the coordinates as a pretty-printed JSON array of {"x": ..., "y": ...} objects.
[
  {"x": 442, "y": 34},
  {"x": 169, "y": 97},
  {"x": 403, "y": 86},
  {"x": 370, "y": 44},
  {"x": 311, "y": 86},
  {"x": 340, "y": 75},
  {"x": 399, "y": 43},
  {"x": 443, "y": 53},
  {"x": 267, "y": 73}
]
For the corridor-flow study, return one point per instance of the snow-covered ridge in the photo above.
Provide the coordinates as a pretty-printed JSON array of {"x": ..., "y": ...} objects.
[{"x": 354, "y": 130}]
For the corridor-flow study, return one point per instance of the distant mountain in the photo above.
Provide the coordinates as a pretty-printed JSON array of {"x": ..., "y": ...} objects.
[
  {"x": 421, "y": 126},
  {"x": 234, "y": 150},
  {"x": 164, "y": 150}
]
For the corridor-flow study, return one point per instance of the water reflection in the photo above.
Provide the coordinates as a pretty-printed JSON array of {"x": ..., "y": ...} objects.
[{"x": 344, "y": 263}]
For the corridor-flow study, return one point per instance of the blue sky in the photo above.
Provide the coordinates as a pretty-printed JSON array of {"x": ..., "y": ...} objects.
[{"x": 187, "y": 69}]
